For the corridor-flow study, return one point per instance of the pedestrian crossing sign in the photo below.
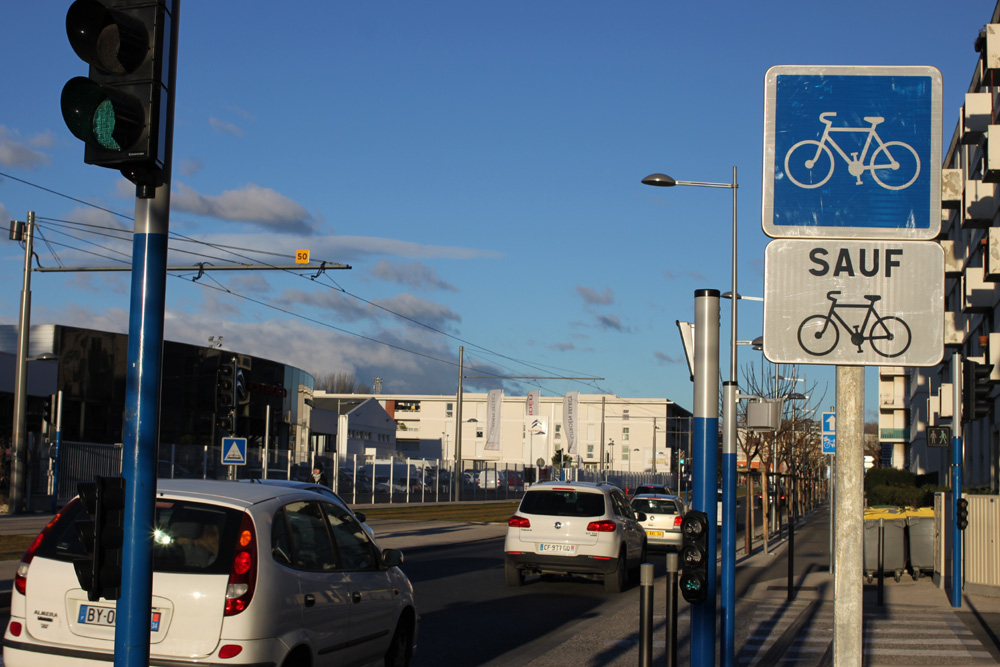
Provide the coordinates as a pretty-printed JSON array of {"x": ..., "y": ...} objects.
[{"x": 234, "y": 451}]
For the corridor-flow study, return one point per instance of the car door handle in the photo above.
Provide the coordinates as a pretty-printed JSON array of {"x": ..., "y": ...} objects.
[
  {"x": 310, "y": 600},
  {"x": 356, "y": 597}
]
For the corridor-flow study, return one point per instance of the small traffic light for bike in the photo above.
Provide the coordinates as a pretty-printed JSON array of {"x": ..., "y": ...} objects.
[
  {"x": 962, "y": 513},
  {"x": 976, "y": 390},
  {"x": 694, "y": 557}
]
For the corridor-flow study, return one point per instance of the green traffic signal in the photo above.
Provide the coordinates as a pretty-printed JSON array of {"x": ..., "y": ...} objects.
[
  {"x": 101, "y": 116},
  {"x": 119, "y": 109}
]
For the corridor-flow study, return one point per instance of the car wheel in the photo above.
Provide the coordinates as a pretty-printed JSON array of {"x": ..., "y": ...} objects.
[
  {"x": 512, "y": 575},
  {"x": 614, "y": 582},
  {"x": 398, "y": 653}
]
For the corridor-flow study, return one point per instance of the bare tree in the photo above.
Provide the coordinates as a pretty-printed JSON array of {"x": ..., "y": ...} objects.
[{"x": 341, "y": 382}]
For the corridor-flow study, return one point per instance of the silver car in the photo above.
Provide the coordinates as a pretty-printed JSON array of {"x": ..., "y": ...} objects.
[{"x": 664, "y": 515}]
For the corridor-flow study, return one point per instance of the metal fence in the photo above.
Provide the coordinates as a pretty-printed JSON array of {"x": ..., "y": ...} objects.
[{"x": 358, "y": 481}]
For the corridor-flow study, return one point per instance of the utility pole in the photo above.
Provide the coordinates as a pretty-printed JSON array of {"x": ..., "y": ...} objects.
[{"x": 19, "y": 450}]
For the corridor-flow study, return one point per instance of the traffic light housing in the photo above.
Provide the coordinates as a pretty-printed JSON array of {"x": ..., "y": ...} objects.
[
  {"x": 225, "y": 397},
  {"x": 694, "y": 557},
  {"x": 121, "y": 109},
  {"x": 976, "y": 389},
  {"x": 102, "y": 537},
  {"x": 962, "y": 514}
]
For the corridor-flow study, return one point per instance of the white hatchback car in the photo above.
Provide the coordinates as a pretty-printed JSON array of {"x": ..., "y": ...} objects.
[
  {"x": 664, "y": 514},
  {"x": 242, "y": 574},
  {"x": 575, "y": 528}
]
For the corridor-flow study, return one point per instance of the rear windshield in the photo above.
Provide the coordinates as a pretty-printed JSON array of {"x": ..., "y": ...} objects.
[
  {"x": 187, "y": 537},
  {"x": 654, "y": 506},
  {"x": 555, "y": 502}
]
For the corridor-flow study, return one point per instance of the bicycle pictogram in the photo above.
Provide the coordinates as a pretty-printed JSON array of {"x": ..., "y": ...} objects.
[
  {"x": 893, "y": 164},
  {"x": 888, "y": 336}
]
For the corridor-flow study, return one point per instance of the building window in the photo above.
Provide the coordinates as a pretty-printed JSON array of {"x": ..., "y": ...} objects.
[
  {"x": 590, "y": 451},
  {"x": 558, "y": 431},
  {"x": 407, "y": 406},
  {"x": 625, "y": 434},
  {"x": 625, "y": 415},
  {"x": 449, "y": 409}
]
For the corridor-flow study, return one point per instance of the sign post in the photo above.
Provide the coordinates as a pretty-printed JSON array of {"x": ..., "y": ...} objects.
[{"x": 852, "y": 192}]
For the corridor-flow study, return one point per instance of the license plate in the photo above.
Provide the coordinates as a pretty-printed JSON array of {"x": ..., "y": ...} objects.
[
  {"x": 558, "y": 548},
  {"x": 654, "y": 533},
  {"x": 105, "y": 616}
]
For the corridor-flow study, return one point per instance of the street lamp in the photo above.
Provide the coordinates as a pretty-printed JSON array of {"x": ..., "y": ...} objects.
[{"x": 729, "y": 399}]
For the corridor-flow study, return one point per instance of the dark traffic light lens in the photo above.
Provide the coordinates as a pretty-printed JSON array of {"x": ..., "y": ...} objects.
[{"x": 101, "y": 116}]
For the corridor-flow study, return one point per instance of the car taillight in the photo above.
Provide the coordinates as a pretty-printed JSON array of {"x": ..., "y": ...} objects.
[
  {"x": 678, "y": 520},
  {"x": 21, "y": 576},
  {"x": 243, "y": 571},
  {"x": 606, "y": 526},
  {"x": 518, "y": 522}
]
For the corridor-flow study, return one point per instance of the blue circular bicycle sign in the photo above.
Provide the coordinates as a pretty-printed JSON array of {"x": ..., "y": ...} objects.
[{"x": 852, "y": 152}]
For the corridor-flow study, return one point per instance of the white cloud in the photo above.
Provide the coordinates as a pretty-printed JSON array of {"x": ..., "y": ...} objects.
[
  {"x": 254, "y": 204},
  {"x": 15, "y": 152},
  {"x": 225, "y": 126},
  {"x": 414, "y": 274},
  {"x": 593, "y": 298}
]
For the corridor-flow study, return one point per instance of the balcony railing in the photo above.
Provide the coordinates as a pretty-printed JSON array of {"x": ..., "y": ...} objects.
[{"x": 902, "y": 434}]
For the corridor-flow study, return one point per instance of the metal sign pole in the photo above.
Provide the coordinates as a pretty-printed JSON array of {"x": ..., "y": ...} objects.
[
  {"x": 705, "y": 454},
  {"x": 849, "y": 516}
]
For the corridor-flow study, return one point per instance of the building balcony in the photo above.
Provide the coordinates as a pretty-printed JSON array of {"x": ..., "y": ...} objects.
[{"x": 894, "y": 434}]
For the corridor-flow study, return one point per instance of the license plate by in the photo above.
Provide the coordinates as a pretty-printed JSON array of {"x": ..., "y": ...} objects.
[
  {"x": 558, "y": 548},
  {"x": 105, "y": 616},
  {"x": 654, "y": 533}
]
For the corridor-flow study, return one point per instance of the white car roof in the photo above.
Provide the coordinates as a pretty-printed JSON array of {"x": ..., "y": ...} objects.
[{"x": 222, "y": 492}]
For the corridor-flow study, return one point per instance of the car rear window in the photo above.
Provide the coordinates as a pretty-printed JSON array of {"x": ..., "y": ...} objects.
[
  {"x": 562, "y": 502},
  {"x": 187, "y": 537},
  {"x": 654, "y": 506}
]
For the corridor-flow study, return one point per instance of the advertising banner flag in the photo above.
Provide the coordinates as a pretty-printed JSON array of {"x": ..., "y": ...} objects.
[
  {"x": 494, "y": 403},
  {"x": 534, "y": 398},
  {"x": 570, "y": 408}
]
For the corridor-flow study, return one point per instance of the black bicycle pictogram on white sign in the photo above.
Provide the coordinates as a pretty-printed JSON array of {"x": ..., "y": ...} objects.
[{"x": 889, "y": 336}]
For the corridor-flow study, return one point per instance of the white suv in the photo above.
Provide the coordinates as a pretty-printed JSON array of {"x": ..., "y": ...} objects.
[
  {"x": 242, "y": 574},
  {"x": 575, "y": 528}
]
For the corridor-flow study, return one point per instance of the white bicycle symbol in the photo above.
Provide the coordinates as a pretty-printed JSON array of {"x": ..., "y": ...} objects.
[{"x": 809, "y": 163}]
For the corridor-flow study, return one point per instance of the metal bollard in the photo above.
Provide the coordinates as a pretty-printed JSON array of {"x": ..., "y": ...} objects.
[
  {"x": 673, "y": 567},
  {"x": 646, "y": 615}
]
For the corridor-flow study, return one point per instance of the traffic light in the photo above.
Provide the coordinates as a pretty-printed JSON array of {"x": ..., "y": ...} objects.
[
  {"x": 962, "y": 515},
  {"x": 976, "y": 389},
  {"x": 102, "y": 536},
  {"x": 120, "y": 110},
  {"x": 694, "y": 557},
  {"x": 225, "y": 397}
]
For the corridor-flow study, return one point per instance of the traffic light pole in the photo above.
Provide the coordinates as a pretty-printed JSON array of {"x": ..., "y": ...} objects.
[
  {"x": 705, "y": 454},
  {"x": 142, "y": 395},
  {"x": 956, "y": 480}
]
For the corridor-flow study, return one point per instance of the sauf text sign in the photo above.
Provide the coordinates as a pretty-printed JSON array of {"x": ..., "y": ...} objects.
[{"x": 850, "y": 302}]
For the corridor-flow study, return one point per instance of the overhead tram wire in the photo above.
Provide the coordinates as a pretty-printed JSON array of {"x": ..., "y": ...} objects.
[{"x": 262, "y": 252}]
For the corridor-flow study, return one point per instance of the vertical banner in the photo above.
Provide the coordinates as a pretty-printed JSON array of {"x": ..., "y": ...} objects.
[
  {"x": 570, "y": 408},
  {"x": 532, "y": 405},
  {"x": 494, "y": 403}
]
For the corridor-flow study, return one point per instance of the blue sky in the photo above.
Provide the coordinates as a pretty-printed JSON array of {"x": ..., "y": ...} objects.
[{"x": 477, "y": 164}]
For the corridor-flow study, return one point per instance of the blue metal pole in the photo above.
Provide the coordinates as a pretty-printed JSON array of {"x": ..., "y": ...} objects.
[
  {"x": 956, "y": 482},
  {"x": 728, "y": 584},
  {"x": 142, "y": 388},
  {"x": 141, "y": 427},
  {"x": 705, "y": 453}
]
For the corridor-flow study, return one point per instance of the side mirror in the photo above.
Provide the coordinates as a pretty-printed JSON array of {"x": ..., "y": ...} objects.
[
  {"x": 640, "y": 516},
  {"x": 392, "y": 558},
  {"x": 361, "y": 517}
]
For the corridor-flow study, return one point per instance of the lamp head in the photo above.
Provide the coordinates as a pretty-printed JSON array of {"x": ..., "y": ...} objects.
[{"x": 661, "y": 180}]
